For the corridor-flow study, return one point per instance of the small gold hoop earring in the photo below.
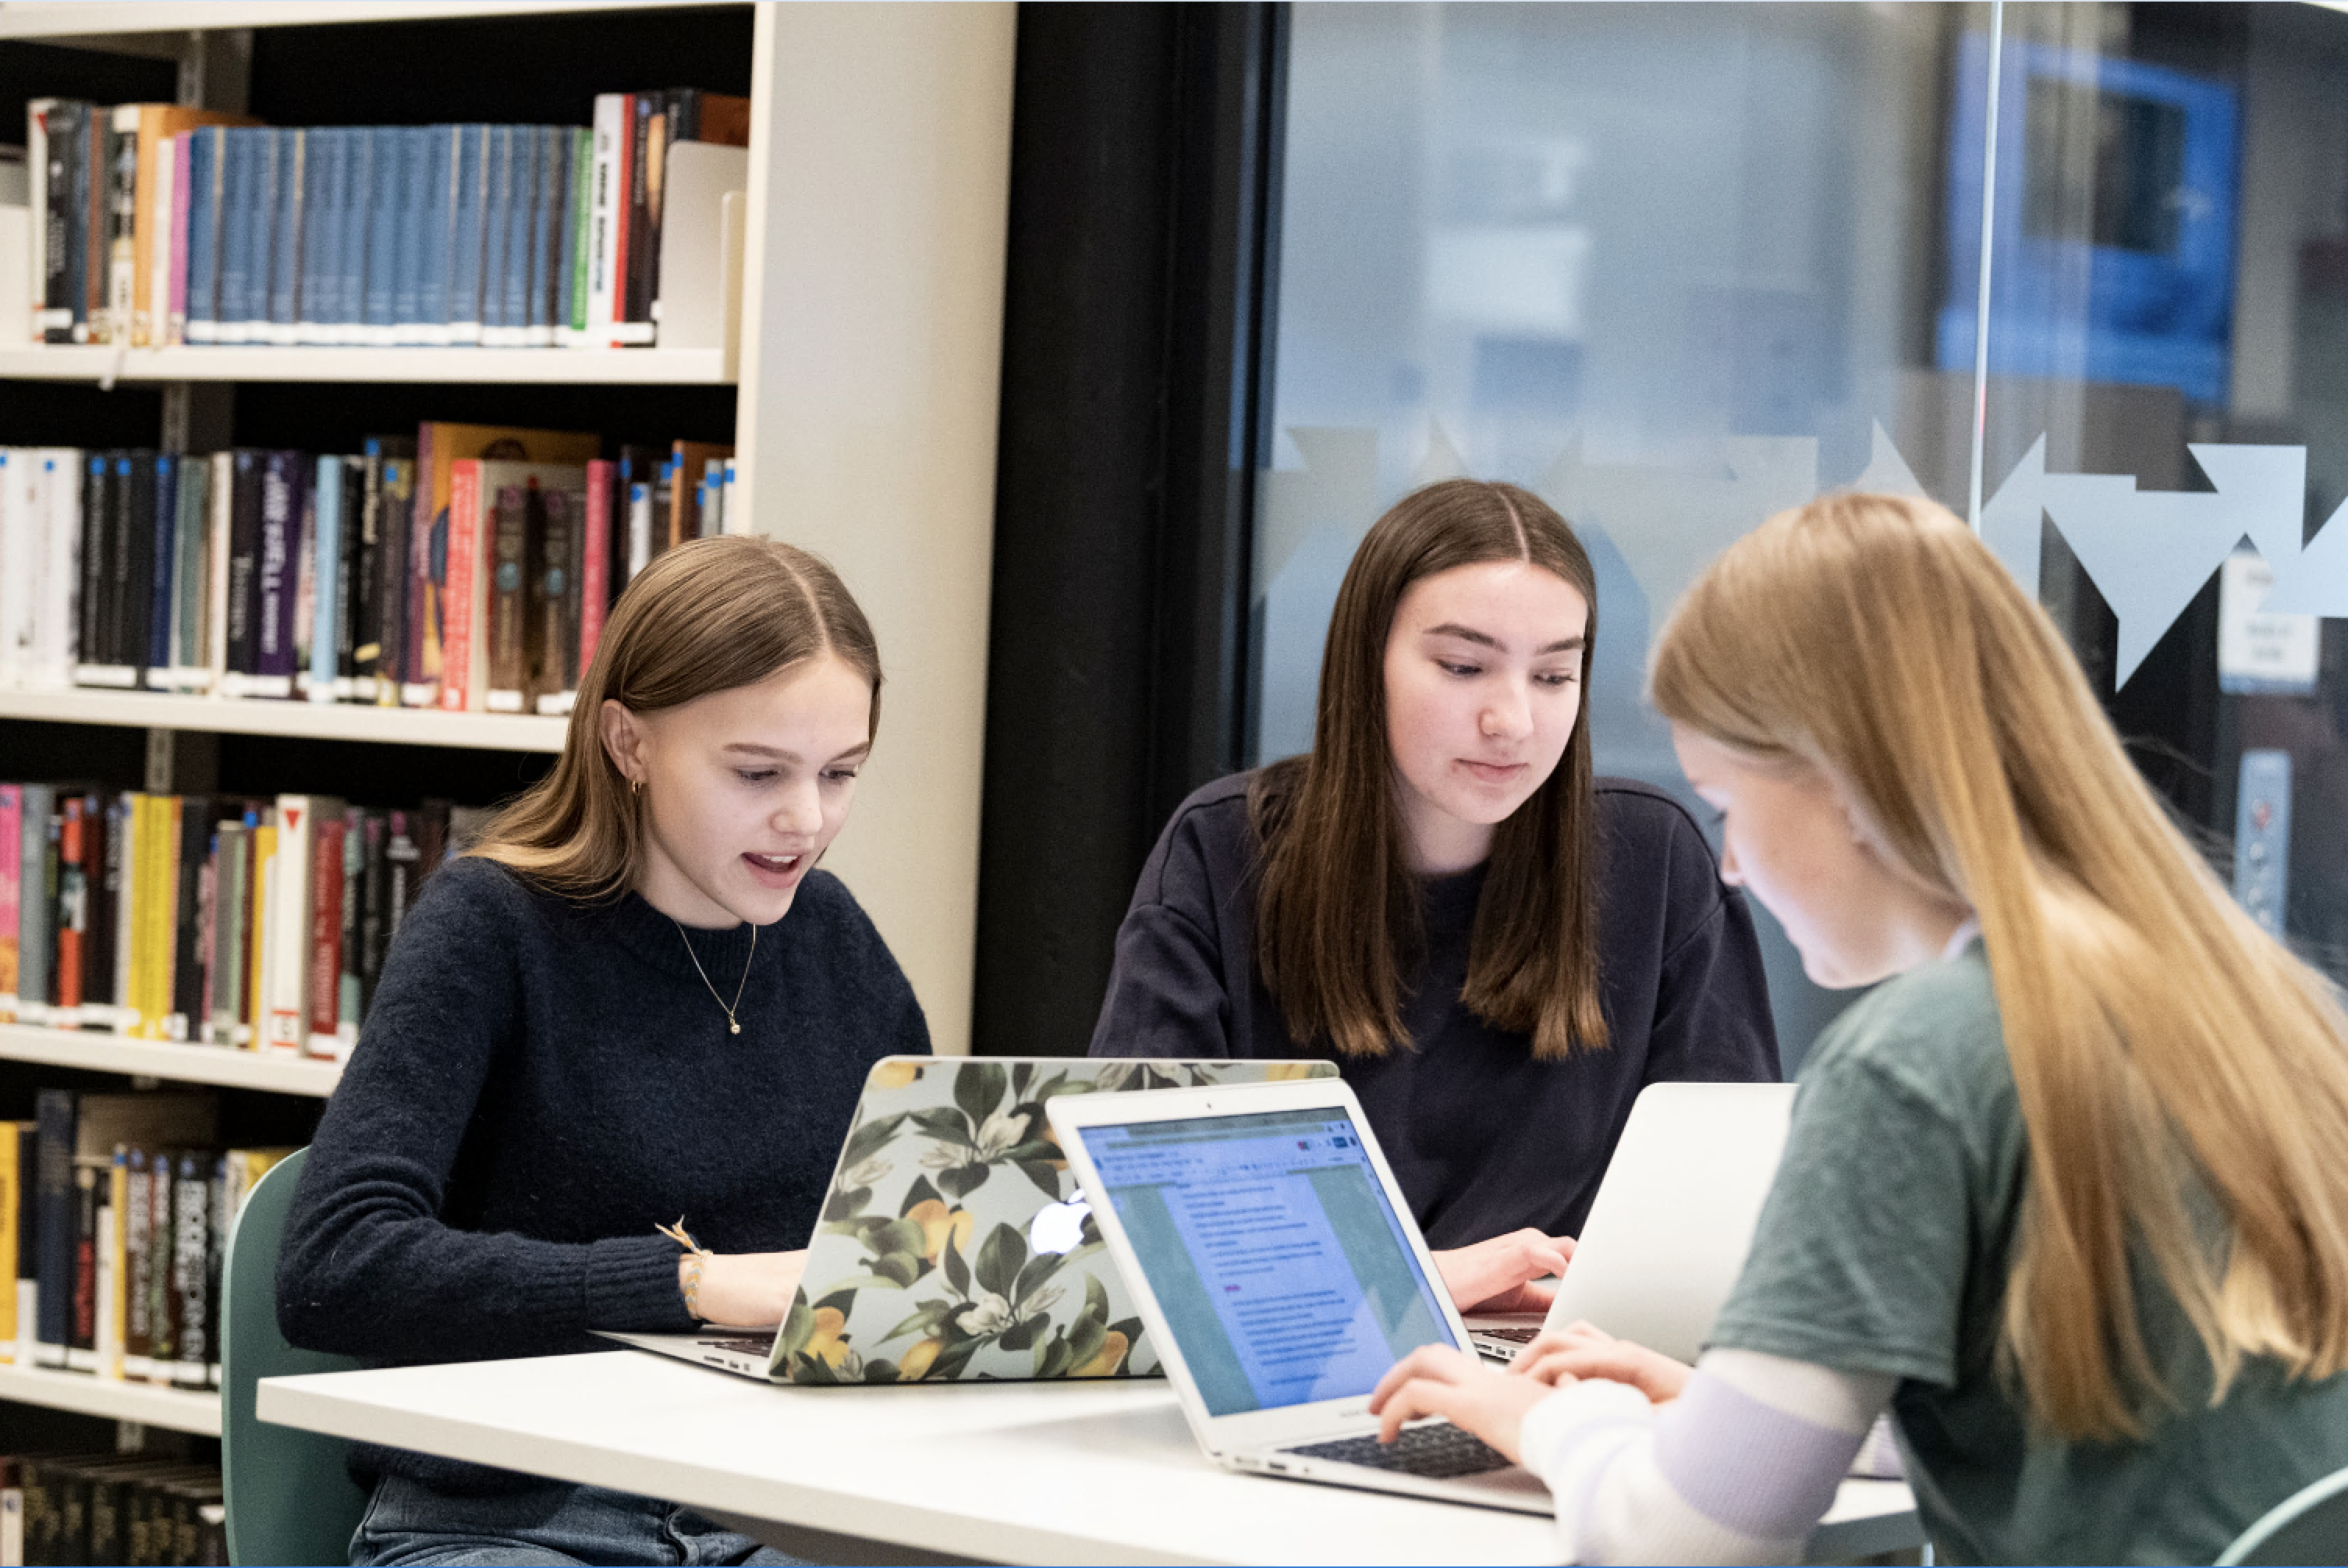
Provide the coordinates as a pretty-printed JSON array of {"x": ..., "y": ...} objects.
[{"x": 636, "y": 787}]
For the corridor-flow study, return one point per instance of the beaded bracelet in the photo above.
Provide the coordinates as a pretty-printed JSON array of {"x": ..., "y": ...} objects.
[{"x": 695, "y": 1256}]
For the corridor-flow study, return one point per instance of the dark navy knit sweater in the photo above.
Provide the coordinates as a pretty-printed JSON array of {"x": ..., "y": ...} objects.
[
  {"x": 539, "y": 1085},
  {"x": 1483, "y": 1138}
]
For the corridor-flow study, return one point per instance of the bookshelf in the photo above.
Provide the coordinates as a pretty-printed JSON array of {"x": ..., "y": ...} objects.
[
  {"x": 510, "y": 366},
  {"x": 862, "y": 382},
  {"x": 312, "y": 720},
  {"x": 216, "y": 1065},
  {"x": 196, "y": 1410}
]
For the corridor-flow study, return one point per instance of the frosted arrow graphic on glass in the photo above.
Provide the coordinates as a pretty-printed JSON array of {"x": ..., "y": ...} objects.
[
  {"x": 1669, "y": 524},
  {"x": 2315, "y": 582},
  {"x": 2150, "y": 551}
]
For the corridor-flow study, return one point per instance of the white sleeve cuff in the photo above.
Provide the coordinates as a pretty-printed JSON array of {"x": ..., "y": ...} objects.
[{"x": 1577, "y": 1411}]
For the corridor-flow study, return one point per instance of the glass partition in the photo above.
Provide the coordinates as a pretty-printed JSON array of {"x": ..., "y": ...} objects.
[{"x": 1674, "y": 267}]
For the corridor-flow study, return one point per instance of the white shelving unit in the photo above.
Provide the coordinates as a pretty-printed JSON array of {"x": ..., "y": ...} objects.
[
  {"x": 509, "y": 366},
  {"x": 314, "y": 721},
  {"x": 179, "y": 1409},
  {"x": 219, "y": 1065}
]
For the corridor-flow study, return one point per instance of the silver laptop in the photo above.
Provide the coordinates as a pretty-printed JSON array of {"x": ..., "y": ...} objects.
[
  {"x": 1673, "y": 1220},
  {"x": 1280, "y": 1274},
  {"x": 953, "y": 1244}
]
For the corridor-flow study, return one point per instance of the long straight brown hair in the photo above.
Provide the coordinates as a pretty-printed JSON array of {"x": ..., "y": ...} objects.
[
  {"x": 2160, "y": 1041},
  {"x": 707, "y": 616},
  {"x": 1337, "y": 911}
]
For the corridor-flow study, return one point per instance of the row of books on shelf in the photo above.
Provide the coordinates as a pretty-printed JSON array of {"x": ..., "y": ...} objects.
[
  {"x": 468, "y": 568},
  {"x": 157, "y": 223},
  {"x": 215, "y": 919},
  {"x": 143, "y": 1510},
  {"x": 118, "y": 1215}
]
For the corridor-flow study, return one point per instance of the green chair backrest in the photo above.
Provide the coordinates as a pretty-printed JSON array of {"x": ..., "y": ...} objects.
[
  {"x": 2310, "y": 1526},
  {"x": 290, "y": 1500}
]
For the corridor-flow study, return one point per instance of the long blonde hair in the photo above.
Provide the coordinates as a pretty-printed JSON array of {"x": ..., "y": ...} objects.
[
  {"x": 707, "y": 616},
  {"x": 2165, "y": 1048}
]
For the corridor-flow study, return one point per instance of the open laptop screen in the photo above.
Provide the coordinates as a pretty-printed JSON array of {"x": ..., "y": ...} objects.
[{"x": 1269, "y": 1242}]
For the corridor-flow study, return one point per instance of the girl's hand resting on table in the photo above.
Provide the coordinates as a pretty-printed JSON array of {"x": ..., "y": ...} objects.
[
  {"x": 1584, "y": 1351},
  {"x": 1497, "y": 1276},
  {"x": 746, "y": 1290}
]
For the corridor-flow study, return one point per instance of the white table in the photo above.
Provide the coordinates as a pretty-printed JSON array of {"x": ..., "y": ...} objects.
[{"x": 1013, "y": 1472}]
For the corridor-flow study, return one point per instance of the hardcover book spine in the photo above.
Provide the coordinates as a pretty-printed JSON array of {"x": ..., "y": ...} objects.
[
  {"x": 57, "y": 639},
  {"x": 11, "y": 838},
  {"x": 468, "y": 234},
  {"x": 157, "y": 228},
  {"x": 221, "y": 498},
  {"x": 89, "y": 610},
  {"x": 440, "y": 197},
  {"x": 281, "y": 555},
  {"x": 183, "y": 1018},
  {"x": 81, "y": 1329},
  {"x": 322, "y": 160},
  {"x": 63, "y": 227},
  {"x": 262, "y": 888},
  {"x": 287, "y": 967},
  {"x": 326, "y": 633},
  {"x": 191, "y": 576},
  {"x": 232, "y": 914},
  {"x": 346, "y": 587},
  {"x": 385, "y": 176},
  {"x": 324, "y": 950},
  {"x": 261, "y": 216},
  {"x": 553, "y": 184},
  {"x": 399, "y": 509},
  {"x": 407, "y": 275},
  {"x": 205, "y": 166},
  {"x": 349, "y": 988},
  {"x": 497, "y": 195},
  {"x": 286, "y": 238},
  {"x": 121, "y": 201},
  {"x": 191, "y": 1209},
  {"x": 603, "y": 216},
  {"x": 73, "y": 911},
  {"x": 554, "y": 673},
  {"x": 305, "y": 580},
  {"x": 643, "y": 109},
  {"x": 374, "y": 907},
  {"x": 511, "y": 593},
  {"x": 596, "y": 557},
  {"x": 366, "y": 574},
  {"x": 159, "y": 491},
  {"x": 121, "y": 885},
  {"x": 361, "y": 151},
  {"x": 175, "y": 283},
  {"x": 137, "y": 1232},
  {"x": 421, "y": 660},
  {"x": 578, "y": 194},
  {"x": 233, "y": 285},
  {"x": 91, "y": 202},
  {"x": 36, "y": 898},
  {"x": 242, "y": 593},
  {"x": 13, "y": 1239},
  {"x": 458, "y": 692},
  {"x": 52, "y": 1231}
]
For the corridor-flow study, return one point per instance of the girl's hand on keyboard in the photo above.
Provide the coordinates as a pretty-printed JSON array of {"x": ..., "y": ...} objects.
[
  {"x": 1583, "y": 1351},
  {"x": 1497, "y": 1276},
  {"x": 1437, "y": 1380}
]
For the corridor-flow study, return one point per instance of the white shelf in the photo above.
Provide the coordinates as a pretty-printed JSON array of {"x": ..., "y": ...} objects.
[
  {"x": 180, "y": 1410},
  {"x": 220, "y": 1064},
  {"x": 580, "y": 367},
  {"x": 315, "y": 720},
  {"x": 101, "y": 19}
]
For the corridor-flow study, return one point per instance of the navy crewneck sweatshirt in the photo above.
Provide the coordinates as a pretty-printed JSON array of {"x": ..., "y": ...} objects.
[
  {"x": 539, "y": 1084},
  {"x": 1483, "y": 1139}
]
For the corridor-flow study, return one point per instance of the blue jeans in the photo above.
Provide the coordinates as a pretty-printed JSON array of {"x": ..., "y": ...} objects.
[{"x": 555, "y": 1523}]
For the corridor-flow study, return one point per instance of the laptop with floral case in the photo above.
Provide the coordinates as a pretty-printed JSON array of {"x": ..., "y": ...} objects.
[{"x": 954, "y": 1242}]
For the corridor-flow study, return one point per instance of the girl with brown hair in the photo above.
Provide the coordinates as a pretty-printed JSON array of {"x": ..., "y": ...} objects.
[
  {"x": 1497, "y": 950},
  {"x": 2068, "y": 1192},
  {"x": 635, "y": 999}
]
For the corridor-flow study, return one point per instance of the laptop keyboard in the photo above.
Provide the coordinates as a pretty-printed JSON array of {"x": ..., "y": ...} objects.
[
  {"x": 1437, "y": 1451},
  {"x": 1512, "y": 1336},
  {"x": 743, "y": 1344}
]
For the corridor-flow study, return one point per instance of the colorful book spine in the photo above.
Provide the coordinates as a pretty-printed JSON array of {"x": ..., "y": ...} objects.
[
  {"x": 288, "y": 932},
  {"x": 461, "y": 692},
  {"x": 257, "y": 971},
  {"x": 595, "y": 559},
  {"x": 330, "y": 575},
  {"x": 324, "y": 986}
]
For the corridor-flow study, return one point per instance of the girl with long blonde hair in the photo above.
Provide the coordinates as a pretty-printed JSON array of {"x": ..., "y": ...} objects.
[
  {"x": 636, "y": 999},
  {"x": 2068, "y": 1192}
]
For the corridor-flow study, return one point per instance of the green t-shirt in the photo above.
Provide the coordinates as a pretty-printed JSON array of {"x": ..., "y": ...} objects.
[{"x": 1884, "y": 1247}]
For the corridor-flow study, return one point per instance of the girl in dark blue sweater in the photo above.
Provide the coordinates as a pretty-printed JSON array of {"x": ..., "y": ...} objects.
[{"x": 636, "y": 999}]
